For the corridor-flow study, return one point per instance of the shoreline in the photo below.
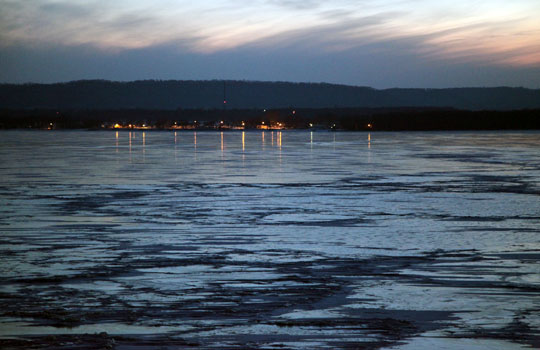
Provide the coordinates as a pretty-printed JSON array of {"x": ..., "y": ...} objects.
[{"x": 347, "y": 119}]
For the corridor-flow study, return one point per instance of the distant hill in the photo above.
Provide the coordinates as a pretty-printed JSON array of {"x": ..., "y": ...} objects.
[{"x": 172, "y": 95}]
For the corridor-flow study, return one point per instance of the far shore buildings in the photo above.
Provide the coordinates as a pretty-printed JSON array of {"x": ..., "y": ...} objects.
[
  {"x": 271, "y": 126},
  {"x": 196, "y": 125}
]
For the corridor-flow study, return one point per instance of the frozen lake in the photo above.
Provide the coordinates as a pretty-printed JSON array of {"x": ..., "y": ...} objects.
[{"x": 269, "y": 240}]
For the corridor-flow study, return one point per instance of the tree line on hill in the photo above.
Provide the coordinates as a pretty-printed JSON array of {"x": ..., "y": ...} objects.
[{"x": 174, "y": 95}]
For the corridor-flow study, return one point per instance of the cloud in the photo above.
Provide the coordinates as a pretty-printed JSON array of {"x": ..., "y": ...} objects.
[
  {"x": 65, "y": 9},
  {"x": 375, "y": 65},
  {"x": 297, "y": 4},
  {"x": 70, "y": 23},
  {"x": 349, "y": 39}
]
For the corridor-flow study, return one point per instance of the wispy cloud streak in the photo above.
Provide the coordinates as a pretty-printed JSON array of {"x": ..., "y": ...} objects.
[
  {"x": 503, "y": 32},
  {"x": 416, "y": 33}
]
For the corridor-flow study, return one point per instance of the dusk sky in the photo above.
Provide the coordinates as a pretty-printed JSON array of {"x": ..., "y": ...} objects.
[{"x": 396, "y": 43}]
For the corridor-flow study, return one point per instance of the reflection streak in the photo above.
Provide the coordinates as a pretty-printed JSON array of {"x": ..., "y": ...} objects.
[
  {"x": 279, "y": 145},
  {"x": 222, "y": 145},
  {"x": 144, "y": 145},
  {"x": 175, "y": 147},
  {"x": 369, "y": 147},
  {"x": 195, "y": 145},
  {"x": 243, "y": 146}
]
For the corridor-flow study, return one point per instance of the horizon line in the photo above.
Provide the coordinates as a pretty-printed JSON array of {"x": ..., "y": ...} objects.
[{"x": 265, "y": 81}]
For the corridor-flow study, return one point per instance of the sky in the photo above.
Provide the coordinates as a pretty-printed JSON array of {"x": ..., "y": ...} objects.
[{"x": 383, "y": 44}]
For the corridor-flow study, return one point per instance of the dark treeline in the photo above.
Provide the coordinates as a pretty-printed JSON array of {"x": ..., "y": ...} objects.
[
  {"x": 173, "y": 94},
  {"x": 385, "y": 119}
]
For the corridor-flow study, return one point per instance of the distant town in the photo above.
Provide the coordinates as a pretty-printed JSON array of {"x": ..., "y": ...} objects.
[
  {"x": 218, "y": 125},
  {"x": 332, "y": 119}
]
